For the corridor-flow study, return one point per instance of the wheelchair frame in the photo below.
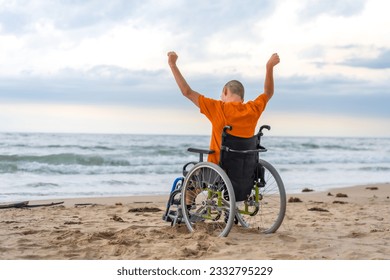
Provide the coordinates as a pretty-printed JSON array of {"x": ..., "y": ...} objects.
[{"x": 204, "y": 197}]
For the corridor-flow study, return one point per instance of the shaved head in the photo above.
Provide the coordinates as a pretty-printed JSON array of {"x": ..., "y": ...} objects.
[{"x": 236, "y": 87}]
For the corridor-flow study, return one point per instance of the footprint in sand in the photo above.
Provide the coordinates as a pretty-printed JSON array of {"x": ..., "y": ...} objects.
[
  {"x": 287, "y": 238},
  {"x": 354, "y": 235}
]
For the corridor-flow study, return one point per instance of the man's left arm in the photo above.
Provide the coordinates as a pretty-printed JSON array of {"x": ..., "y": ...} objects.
[{"x": 181, "y": 82}]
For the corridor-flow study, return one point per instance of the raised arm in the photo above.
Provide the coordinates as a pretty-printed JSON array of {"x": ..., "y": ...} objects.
[
  {"x": 269, "y": 75},
  {"x": 181, "y": 82}
]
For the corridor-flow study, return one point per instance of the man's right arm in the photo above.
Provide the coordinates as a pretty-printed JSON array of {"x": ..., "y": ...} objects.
[
  {"x": 269, "y": 75},
  {"x": 181, "y": 82}
]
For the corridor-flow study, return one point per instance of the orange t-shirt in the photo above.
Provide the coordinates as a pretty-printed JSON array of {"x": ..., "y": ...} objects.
[{"x": 242, "y": 117}]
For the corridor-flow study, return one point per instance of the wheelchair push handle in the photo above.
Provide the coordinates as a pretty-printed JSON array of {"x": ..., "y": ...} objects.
[
  {"x": 267, "y": 127},
  {"x": 227, "y": 127}
]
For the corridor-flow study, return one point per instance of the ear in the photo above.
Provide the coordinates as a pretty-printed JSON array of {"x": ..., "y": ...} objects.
[{"x": 225, "y": 91}]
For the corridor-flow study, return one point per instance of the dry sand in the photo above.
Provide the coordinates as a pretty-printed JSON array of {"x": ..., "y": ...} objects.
[{"x": 354, "y": 227}]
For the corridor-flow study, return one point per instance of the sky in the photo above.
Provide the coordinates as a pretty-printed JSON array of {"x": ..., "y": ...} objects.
[{"x": 101, "y": 66}]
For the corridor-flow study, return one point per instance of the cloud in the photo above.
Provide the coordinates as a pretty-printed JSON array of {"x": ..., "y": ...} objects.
[
  {"x": 331, "y": 96},
  {"x": 381, "y": 61},
  {"x": 101, "y": 84},
  {"x": 318, "y": 124},
  {"x": 21, "y": 16},
  {"x": 345, "y": 8},
  {"x": 115, "y": 86},
  {"x": 74, "y": 16},
  {"x": 214, "y": 16}
]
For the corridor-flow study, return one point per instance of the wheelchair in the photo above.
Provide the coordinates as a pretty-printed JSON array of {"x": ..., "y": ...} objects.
[{"x": 243, "y": 189}]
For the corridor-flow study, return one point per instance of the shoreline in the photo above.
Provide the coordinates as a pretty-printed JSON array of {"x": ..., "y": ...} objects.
[
  {"x": 354, "y": 226},
  {"x": 162, "y": 198}
]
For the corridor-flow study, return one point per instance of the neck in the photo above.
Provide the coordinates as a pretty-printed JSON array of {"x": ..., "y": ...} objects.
[{"x": 234, "y": 98}]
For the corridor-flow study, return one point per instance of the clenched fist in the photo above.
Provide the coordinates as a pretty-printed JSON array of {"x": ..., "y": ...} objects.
[
  {"x": 172, "y": 58},
  {"x": 274, "y": 60}
]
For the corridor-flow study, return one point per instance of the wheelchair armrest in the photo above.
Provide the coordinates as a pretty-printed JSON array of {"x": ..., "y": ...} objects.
[{"x": 201, "y": 152}]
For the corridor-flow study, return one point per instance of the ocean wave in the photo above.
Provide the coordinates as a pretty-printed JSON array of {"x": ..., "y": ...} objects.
[
  {"x": 375, "y": 168},
  {"x": 64, "y": 159},
  {"x": 332, "y": 147},
  {"x": 88, "y": 148},
  {"x": 35, "y": 146},
  {"x": 42, "y": 185},
  {"x": 76, "y": 164}
]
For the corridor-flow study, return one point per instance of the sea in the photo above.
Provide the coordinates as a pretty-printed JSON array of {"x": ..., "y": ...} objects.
[{"x": 36, "y": 166}]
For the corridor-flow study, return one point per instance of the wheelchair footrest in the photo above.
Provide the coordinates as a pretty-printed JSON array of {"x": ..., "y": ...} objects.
[{"x": 173, "y": 217}]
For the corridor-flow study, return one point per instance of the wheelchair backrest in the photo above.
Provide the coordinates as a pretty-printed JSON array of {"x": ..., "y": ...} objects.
[{"x": 240, "y": 166}]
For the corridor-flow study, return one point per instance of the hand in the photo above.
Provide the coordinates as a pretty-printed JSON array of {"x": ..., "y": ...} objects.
[
  {"x": 172, "y": 58},
  {"x": 274, "y": 60}
]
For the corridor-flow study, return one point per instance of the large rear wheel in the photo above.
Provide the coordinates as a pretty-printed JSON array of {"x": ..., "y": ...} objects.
[
  {"x": 265, "y": 209},
  {"x": 207, "y": 200}
]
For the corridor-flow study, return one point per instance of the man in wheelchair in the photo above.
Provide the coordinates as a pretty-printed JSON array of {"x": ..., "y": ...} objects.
[
  {"x": 210, "y": 189},
  {"x": 231, "y": 109}
]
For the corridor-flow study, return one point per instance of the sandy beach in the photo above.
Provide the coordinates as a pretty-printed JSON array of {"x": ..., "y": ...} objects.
[{"x": 322, "y": 226}]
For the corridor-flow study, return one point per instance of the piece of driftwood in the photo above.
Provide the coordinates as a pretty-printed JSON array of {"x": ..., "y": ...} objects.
[
  {"x": 14, "y": 205},
  {"x": 26, "y": 204},
  {"x": 43, "y": 204}
]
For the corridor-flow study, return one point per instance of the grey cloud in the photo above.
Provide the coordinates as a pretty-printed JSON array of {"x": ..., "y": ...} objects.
[
  {"x": 108, "y": 73},
  {"x": 206, "y": 14},
  {"x": 382, "y": 61},
  {"x": 326, "y": 85},
  {"x": 19, "y": 16},
  {"x": 102, "y": 84},
  {"x": 323, "y": 95},
  {"x": 111, "y": 85},
  {"x": 12, "y": 22},
  {"x": 344, "y": 8},
  {"x": 77, "y": 14},
  {"x": 200, "y": 15},
  {"x": 195, "y": 22},
  {"x": 331, "y": 95}
]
